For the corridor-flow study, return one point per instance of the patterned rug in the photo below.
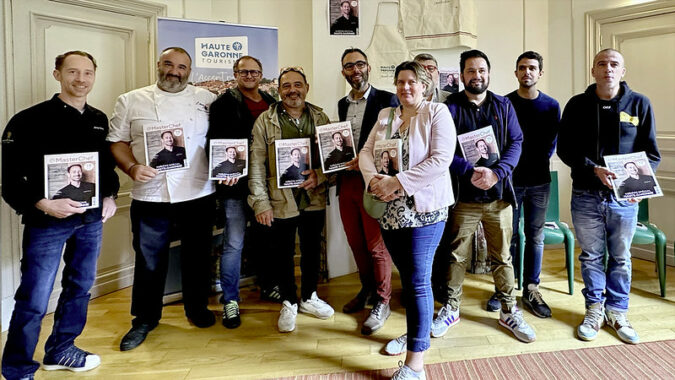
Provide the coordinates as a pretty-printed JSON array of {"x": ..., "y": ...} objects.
[{"x": 653, "y": 360}]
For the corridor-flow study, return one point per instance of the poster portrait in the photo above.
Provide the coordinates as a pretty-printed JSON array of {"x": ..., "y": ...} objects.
[
  {"x": 343, "y": 17},
  {"x": 449, "y": 80}
]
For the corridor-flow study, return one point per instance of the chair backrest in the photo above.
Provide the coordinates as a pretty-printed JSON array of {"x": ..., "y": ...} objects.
[
  {"x": 553, "y": 210},
  {"x": 643, "y": 211}
]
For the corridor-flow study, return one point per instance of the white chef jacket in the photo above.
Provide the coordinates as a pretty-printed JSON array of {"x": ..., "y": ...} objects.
[{"x": 150, "y": 105}]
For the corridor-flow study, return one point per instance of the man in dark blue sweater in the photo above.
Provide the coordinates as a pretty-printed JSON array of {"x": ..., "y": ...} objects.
[{"x": 539, "y": 117}]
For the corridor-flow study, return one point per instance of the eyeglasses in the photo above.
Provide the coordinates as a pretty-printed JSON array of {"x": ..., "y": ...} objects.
[
  {"x": 253, "y": 73},
  {"x": 296, "y": 69},
  {"x": 358, "y": 64},
  {"x": 430, "y": 68}
]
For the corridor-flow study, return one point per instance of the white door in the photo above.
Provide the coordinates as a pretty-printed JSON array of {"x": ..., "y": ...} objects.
[
  {"x": 121, "y": 39},
  {"x": 646, "y": 38}
]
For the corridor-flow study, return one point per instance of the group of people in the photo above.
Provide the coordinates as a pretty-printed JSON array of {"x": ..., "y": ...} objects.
[{"x": 435, "y": 199}]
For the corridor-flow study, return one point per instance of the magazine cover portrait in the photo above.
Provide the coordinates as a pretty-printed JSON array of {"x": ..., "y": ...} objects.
[
  {"x": 293, "y": 158},
  {"x": 634, "y": 176},
  {"x": 344, "y": 17},
  {"x": 336, "y": 145},
  {"x": 228, "y": 158},
  {"x": 165, "y": 146},
  {"x": 72, "y": 176}
]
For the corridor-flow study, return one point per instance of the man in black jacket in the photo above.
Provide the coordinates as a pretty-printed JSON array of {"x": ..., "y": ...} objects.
[
  {"x": 608, "y": 118},
  {"x": 361, "y": 108},
  {"x": 63, "y": 124},
  {"x": 231, "y": 117}
]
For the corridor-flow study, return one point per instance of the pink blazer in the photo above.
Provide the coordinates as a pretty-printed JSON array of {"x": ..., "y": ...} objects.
[{"x": 431, "y": 146}]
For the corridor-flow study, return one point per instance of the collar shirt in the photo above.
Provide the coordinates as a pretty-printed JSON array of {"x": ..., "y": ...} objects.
[
  {"x": 355, "y": 112},
  {"x": 150, "y": 105}
]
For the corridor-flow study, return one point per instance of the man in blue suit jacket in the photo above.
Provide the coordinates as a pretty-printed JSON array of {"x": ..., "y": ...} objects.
[{"x": 361, "y": 107}]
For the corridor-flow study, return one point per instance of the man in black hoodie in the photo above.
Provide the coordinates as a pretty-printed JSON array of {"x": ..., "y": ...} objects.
[
  {"x": 231, "y": 117},
  {"x": 607, "y": 119}
]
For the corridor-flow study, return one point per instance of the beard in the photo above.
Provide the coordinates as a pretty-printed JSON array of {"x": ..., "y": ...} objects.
[
  {"x": 167, "y": 82},
  {"x": 478, "y": 88},
  {"x": 358, "y": 85}
]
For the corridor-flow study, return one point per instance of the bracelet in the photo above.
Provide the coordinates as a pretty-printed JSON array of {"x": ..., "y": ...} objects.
[{"x": 131, "y": 167}]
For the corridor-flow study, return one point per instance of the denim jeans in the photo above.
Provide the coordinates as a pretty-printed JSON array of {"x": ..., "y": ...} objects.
[
  {"x": 309, "y": 226},
  {"x": 42, "y": 247},
  {"x": 601, "y": 222},
  {"x": 412, "y": 250},
  {"x": 233, "y": 243},
  {"x": 534, "y": 201},
  {"x": 154, "y": 225}
]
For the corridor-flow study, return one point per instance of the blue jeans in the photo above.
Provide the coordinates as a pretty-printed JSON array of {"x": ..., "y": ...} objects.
[
  {"x": 534, "y": 201},
  {"x": 233, "y": 244},
  {"x": 42, "y": 247},
  {"x": 412, "y": 250},
  {"x": 601, "y": 222}
]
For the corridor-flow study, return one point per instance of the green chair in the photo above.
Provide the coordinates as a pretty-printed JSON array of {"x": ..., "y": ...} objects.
[
  {"x": 555, "y": 232},
  {"x": 648, "y": 233}
]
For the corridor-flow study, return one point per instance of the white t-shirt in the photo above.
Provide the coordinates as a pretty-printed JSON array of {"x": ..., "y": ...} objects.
[{"x": 150, "y": 105}]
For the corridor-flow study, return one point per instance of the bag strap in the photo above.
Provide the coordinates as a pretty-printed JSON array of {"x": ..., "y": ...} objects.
[{"x": 390, "y": 121}]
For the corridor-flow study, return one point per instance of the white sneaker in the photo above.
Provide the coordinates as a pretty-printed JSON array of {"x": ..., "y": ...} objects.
[
  {"x": 397, "y": 346},
  {"x": 317, "y": 307},
  {"x": 619, "y": 322},
  {"x": 446, "y": 318},
  {"x": 514, "y": 321},
  {"x": 592, "y": 323},
  {"x": 287, "y": 317},
  {"x": 406, "y": 373}
]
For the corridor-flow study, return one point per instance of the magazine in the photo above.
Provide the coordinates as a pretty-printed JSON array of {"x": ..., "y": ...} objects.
[
  {"x": 336, "y": 145},
  {"x": 387, "y": 155},
  {"x": 165, "y": 146},
  {"x": 343, "y": 17},
  {"x": 449, "y": 79},
  {"x": 73, "y": 176},
  {"x": 479, "y": 147},
  {"x": 293, "y": 158},
  {"x": 634, "y": 176},
  {"x": 228, "y": 158}
]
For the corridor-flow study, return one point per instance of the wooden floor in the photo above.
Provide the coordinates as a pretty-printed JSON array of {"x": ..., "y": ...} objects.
[{"x": 178, "y": 350}]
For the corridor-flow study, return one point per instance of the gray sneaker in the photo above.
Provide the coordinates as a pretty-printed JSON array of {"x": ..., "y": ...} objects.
[
  {"x": 620, "y": 324},
  {"x": 378, "y": 315},
  {"x": 397, "y": 346},
  {"x": 406, "y": 373},
  {"x": 593, "y": 321},
  {"x": 446, "y": 318},
  {"x": 514, "y": 321}
]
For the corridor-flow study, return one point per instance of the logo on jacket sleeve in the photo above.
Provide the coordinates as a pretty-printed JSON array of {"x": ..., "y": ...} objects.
[{"x": 626, "y": 118}]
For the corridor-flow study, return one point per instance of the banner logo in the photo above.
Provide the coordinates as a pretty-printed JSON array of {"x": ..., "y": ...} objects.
[{"x": 219, "y": 52}]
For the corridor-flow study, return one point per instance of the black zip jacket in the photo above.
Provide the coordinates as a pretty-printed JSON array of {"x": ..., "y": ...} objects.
[
  {"x": 52, "y": 127},
  {"x": 582, "y": 144},
  {"x": 229, "y": 118}
]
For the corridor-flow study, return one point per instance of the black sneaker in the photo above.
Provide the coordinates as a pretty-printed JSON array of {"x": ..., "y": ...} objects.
[
  {"x": 493, "y": 304},
  {"x": 231, "y": 318},
  {"x": 533, "y": 301},
  {"x": 202, "y": 318},
  {"x": 71, "y": 359},
  {"x": 273, "y": 294}
]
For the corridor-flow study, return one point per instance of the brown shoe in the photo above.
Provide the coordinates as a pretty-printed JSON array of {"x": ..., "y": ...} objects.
[
  {"x": 357, "y": 303},
  {"x": 378, "y": 315}
]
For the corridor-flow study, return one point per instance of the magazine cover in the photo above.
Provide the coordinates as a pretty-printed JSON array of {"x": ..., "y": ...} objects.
[
  {"x": 336, "y": 145},
  {"x": 449, "y": 79},
  {"x": 480, "y": 146},
  {"x": 634, "y": 176},
  {"x": 343, "y": 17},
  {"x": 293, "y": 158},
  {"x": 73, "y": 176},
  {"x": 387, "y": 155},
  {"x": 228, "y": 158},
  {"x": 165, "y": 146}
]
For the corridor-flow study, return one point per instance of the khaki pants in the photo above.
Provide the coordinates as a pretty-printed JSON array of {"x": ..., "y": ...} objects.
[{"x": 497, "y": 218}]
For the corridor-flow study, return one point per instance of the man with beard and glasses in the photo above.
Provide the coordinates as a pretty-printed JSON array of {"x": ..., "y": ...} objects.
[
  {"x": 161, "y": 201},
  {"x": 539, "y": 118},
  {"x": 289, "y": 210},
  {"x": 485, "y": 195},
  {"x": 361, "y": 107},
  {"x": 434, "y": 92}
]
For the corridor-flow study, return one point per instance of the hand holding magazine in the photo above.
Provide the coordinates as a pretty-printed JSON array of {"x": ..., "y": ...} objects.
[
  {"x": 228, "y": 158},
  {"x": 479, "y": 147},
  {"x": 72, "y": 176},
  {"x": 634, "y": 176}
]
